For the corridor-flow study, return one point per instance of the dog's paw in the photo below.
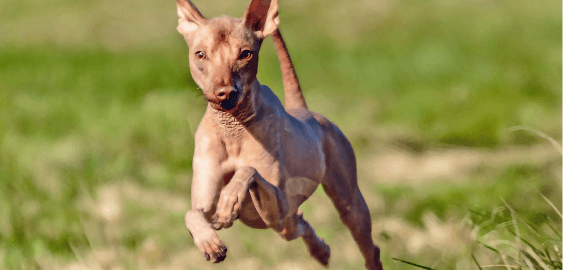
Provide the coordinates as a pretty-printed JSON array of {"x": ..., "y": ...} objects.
[
  {"x": 208, "y": 242},
  {"x": 320, "y": 251},
  {"x": 229, "y": 204}
]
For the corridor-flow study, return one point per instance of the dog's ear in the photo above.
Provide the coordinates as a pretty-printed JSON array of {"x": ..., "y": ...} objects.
[
  {"x": 262, "y": 17},
  {"x": 190, "y": 17}
]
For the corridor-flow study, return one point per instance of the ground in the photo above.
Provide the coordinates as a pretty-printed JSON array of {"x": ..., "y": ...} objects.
[{"x": 97, "y": 114}]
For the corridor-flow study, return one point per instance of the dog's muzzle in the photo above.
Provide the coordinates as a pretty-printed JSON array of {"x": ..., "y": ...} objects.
[{"x": 227, "y": 96}]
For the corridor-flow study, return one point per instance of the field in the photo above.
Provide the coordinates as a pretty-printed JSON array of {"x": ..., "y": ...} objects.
[{"x": 453, "y": 108}]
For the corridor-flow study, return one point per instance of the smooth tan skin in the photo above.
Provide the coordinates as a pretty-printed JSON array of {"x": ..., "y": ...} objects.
[{"x": 255, "y": 160}]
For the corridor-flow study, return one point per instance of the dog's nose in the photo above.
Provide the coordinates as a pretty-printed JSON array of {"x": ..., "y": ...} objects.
[{"x": 225, "y": 93}]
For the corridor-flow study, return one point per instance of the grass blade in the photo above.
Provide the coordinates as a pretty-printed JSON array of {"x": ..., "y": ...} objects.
[
  {"x": 553, "y": 229},
  {"x": 476, "y": 262},
  {"x": 555, "y": 144},
  {"x": 552, "y": 206},
  {"x": 487, "y": 246},
  {"x": 413, "y": 264},
  {"x": 535, "y": 258}
]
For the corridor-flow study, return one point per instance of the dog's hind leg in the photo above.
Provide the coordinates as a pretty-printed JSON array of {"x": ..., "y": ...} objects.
[
  {"x": 355, "y": 215},
  {"x": 340, "y": 184},
  {"x": 296, "y": 226}
]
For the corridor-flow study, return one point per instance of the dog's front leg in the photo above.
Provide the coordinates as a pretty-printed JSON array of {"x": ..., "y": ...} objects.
[
  {"x": 269, "y": 201},
  {"x": 207, "y": 182},
  {"x": 205, "y": 237}
]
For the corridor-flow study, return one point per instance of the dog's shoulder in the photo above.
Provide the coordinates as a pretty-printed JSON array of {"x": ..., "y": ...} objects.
[
  {"x": 207, "y": 132},
  {"x": 270, "y": 97}
]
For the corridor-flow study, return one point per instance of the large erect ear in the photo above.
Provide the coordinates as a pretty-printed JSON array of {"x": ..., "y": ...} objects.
[
  {"x": 262, "y": 17},
  {"x": 190, "y": 17}
]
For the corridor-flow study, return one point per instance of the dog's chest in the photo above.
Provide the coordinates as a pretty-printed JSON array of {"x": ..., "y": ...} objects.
[
  {"x": 233, "y": 147},
  {"x": 246, "y": 151}
]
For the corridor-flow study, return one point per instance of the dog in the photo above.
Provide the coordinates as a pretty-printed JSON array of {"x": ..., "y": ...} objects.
[{"x": 254, "y": 159}]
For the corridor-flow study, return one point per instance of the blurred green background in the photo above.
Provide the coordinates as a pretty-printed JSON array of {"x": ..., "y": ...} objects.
[{"x": 98, "y": 110}]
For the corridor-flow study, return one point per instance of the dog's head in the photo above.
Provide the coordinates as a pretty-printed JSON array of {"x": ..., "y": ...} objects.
[{"x": 224, "y": 51}]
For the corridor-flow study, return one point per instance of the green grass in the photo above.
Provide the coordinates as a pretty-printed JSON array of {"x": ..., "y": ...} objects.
[{"x": 97, "y": 114}]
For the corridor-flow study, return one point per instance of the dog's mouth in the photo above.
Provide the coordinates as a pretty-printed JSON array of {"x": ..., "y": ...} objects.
[{"x": 230, "y": 103}]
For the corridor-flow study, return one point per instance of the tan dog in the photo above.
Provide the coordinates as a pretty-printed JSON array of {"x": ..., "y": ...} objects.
[{"x": 254, "y": 159}]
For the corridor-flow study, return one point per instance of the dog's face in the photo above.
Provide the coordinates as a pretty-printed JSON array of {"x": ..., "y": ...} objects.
[{"x": 224, "y": 51}]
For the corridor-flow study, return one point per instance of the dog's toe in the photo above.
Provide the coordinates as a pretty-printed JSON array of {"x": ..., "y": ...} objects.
[
  {"x": 220, "y": 258},
  {"x": 221, "y": 255}
]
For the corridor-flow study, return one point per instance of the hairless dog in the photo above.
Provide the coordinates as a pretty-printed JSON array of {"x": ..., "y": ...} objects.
[{"x": 254, "y": 159}]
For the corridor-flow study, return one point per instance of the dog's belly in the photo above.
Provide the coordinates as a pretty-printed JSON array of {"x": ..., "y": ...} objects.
[
  {"x": 249, "y": 216},
  {"x": 297, "y": 190}
]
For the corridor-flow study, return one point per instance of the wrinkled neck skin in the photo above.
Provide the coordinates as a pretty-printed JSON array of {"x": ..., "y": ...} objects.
[{"x": 244, "y": 116}]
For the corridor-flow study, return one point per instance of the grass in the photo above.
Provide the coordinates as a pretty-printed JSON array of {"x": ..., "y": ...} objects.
[
  {"x": 97, "y": 114},
  {"x": 532, "y": 247}
]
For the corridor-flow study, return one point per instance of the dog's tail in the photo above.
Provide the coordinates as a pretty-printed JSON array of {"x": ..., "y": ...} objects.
[{"x": 293, "y": 95}]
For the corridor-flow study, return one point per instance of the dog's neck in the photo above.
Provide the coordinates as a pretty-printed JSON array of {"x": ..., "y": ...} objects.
[
  {"x": 234, "y": 124},
  {"x": 231, "y": 126}
]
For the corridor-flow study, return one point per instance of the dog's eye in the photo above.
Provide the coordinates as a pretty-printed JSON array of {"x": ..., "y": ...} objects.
[
  {"x": 200, "y": 55},
  {"x": 246, "y": 54}
]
